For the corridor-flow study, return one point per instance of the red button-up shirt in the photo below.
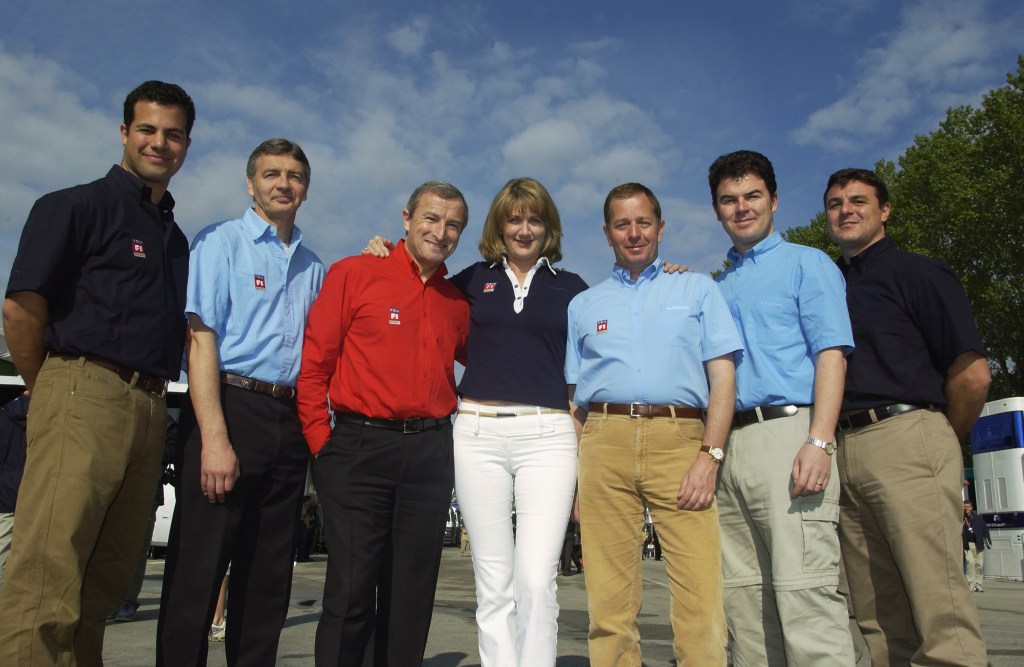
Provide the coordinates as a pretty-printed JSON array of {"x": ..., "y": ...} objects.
[{"x": 382, "y": 343}]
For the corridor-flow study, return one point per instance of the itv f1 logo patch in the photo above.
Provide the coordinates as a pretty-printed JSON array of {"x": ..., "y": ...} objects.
[
  {"x": 259, "y": 282},
  {"x": 393, "y": 316},
  {"x": 138, "y": 249},
  {"x": 602, "y": 326},
  {"x": 489, "y": 287}
]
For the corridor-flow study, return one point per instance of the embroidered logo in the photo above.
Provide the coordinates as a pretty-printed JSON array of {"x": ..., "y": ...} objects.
[
  {"x": 489, "y": 287},
  {"x": 393, "y": 316},
  {"x": 259, "y": 282},
  {"x": 138, "y": 249},
  {"x": 602, "y": 326}
]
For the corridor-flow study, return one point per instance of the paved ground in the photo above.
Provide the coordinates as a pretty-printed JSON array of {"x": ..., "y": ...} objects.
[{"x": 452, "y": 640}]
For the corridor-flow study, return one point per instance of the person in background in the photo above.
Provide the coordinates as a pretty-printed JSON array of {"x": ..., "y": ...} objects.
[
  {"x": 976, "y": 539},
  {"x": 13, "y": 416},
  {"x": 94, "y": 319}
]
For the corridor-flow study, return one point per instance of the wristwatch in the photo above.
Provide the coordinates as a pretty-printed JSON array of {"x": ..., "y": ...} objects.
[
  {"x": 715, "y": 453},
  {"x": 821, "y": 444}
]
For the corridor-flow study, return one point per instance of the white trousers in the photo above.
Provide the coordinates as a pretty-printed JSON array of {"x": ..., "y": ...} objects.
[{"x": 529, "y": 458}]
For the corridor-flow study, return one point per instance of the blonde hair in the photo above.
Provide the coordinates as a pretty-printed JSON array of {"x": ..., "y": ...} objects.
[{"x": 516, "y": 195}]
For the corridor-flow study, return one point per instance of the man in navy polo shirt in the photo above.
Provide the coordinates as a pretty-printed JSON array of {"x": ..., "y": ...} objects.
[
  {"x": 915, "y": 384},
  {"x": 241, "y": 455},
  {"x": 648, "y": 354},
  {"x": 94, "y": 318},
  {"x": 778, "y": 495}
]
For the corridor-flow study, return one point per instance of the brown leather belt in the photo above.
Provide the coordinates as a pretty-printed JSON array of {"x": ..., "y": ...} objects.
[
  {"x": 258, "y": 386},
  {"x": 859, "y": 418},
  {"x": 764, "y": 413},
  {"x": 414, "y": 425},
  {"x": 646, "y": 411},
  {"x": 149, "y": 383}
]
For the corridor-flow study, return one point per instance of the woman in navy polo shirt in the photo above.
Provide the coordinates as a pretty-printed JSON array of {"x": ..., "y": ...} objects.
[{"x": 514, "y": 436}]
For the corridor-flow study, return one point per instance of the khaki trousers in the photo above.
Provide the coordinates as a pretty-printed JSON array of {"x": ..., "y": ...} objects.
[
  {"x": 975, "y": 562},
  {"x": 899, "y": 528},
  {"x": 91, "y": 472},
  {"x": 780, "y": 555},
  {"x": 625, "y": 464}
]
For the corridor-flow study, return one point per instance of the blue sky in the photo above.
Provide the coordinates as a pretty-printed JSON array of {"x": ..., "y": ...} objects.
[{"x": 580, "y": 95}]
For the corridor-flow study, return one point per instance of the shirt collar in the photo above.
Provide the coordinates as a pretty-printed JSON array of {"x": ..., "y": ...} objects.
[
  {"x": 765, "y": 245},
  {"x": 400, "y": 254},
  {"x": 870, "y": 255},
  {"x": 134, "y": 184},
  {"x": 650, "y": 273},
  {"x": 543, "y": 261},
  {"x": 258, "y": 228}
]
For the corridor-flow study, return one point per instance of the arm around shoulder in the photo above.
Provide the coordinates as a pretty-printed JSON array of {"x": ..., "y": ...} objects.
[{"x": 25, "y": 316}]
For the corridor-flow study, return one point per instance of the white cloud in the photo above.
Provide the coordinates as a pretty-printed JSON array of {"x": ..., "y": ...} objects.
[
  {"x": 931, "y": 60},
  {"x": 410, "y": 38}
]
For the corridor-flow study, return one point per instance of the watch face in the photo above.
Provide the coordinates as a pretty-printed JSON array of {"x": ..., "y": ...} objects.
[
  {"x": 831, "y": 448},
  {"x": 716, "y": 453}
]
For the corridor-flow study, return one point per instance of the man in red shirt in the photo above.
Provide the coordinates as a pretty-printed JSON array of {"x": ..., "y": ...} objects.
[{"x": 379, "y": 354}]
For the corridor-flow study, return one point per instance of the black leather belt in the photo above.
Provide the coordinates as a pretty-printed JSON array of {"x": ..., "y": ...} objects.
[
  {"x": 764, "y": 413},
  {"x": 858, "y": 418},
  {"x": 645, "y": 410},
  {"x": 150, "y": 383},
  {"x": 404, "y": 425},
  {"x": 258, "y": 386}
]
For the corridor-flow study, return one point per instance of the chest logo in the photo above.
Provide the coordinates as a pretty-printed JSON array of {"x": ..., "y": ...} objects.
[
  {"x": 489, "y": 287},
  {"x": 393, "y": 316},
  {"x": 602, "y": 326},
  {"x": 259, "y": 282},
  {"x": 138, "y": 249}
]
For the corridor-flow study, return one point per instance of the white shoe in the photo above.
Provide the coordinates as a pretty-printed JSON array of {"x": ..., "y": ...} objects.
[{"x": 217, "y": 632}]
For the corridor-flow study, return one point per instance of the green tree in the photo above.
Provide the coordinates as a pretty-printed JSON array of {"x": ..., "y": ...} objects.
[{"x": 958, "y": 194}]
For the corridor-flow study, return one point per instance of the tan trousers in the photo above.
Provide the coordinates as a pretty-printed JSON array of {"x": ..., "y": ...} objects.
[
  {"x": 780, "y": 555},
  {"x": 975, "y": 561},
  {"x": 625, "y": 464},
  {"x": 91, "y": 472},
  {"x": 899, "y": 528}
]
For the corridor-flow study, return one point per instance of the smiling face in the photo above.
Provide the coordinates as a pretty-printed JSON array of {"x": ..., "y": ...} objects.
[
  {"x": 855, "y": 218},
  {"x": 278, "y": 187},
  {"x": 745, "y": 209},
  {"x": 523, "y": 235},
  {"x": 155, "y": 145},
  {"x": 432, "y": 231},
  {"x": 633, "y": 232}
]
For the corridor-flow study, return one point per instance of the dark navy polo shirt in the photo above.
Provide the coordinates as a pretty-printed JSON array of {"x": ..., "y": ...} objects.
[
  {"x": 517, "y": 357},
  {"x": 113, "y": 268},
  {"x": 911, "y": 320}
]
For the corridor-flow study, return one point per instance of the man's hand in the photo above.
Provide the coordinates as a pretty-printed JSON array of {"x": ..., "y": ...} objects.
[
  {"x": 669, "y": 267},
  {"x": 812, "y": 468},
  {"x": 697, "y": 489},
  {"x": 378, "y": 246},
  {"x": 219, "y": 469}
]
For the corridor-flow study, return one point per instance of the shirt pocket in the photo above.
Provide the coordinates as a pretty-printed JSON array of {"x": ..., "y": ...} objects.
[{"x": 676, "y": 326}]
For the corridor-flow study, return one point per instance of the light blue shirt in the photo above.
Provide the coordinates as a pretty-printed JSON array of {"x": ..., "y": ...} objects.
[
  {"x": 646, "y": 341},
  {"x": 789, "y": 302},
  {"x": 254, "y": 293}
]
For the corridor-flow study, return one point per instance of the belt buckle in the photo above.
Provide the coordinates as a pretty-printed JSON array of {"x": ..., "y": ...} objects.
[
  {"x": 406, "y": 428},
  {"x": 246, "y": 383},
  {"x": 632, "y": 410},
  {"x": 163, "y": 390}
]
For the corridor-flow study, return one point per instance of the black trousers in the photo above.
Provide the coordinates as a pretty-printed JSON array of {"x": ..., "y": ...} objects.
[
  {"x": 385, "y": 497},
  {"x": 252, "y": 529}
]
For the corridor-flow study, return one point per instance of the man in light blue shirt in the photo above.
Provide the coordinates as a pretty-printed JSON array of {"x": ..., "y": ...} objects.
[
  {"x": 649, "y": 354},
  {"x": 242, "y": 458},
  {"x": 778, "y": 491}
]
